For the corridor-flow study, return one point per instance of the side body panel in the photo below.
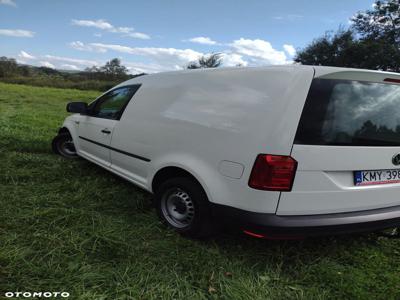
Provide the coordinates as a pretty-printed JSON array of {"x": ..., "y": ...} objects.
[
  {"x": 197, "y": 119},
  {"x": 90, "y": 132}
]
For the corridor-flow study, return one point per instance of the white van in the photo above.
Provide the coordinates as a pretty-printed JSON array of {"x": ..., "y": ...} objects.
[{"x": 284, "y": 152}]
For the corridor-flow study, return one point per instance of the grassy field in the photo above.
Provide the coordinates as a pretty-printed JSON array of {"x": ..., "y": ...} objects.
[{"x": 71, "y": 226}]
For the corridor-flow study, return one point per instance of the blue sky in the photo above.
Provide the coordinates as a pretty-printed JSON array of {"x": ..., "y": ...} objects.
[{"x": 153, "y": 36}]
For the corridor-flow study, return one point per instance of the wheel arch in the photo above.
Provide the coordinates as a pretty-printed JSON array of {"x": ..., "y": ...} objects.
[
  {"x": 204, "y": 171},
  {"x": 63, "y": 130},
  {"x": 69, "y": 127},
  {"x": 170, "y": 171}
]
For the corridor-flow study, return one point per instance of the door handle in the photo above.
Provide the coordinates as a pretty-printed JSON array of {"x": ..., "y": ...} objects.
[{"x": 106, "y": 131}]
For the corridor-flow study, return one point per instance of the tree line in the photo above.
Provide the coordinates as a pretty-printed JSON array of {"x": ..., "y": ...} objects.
[{"x": 94, "y": 78}]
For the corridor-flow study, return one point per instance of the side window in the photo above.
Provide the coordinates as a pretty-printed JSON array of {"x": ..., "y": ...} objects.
[{"x": 112, "y": 104}]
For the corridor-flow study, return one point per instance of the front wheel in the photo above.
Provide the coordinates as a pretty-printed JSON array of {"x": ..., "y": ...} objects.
[
  {"x": 182, "y": 205},
  {"x": 63, "y": 145}
]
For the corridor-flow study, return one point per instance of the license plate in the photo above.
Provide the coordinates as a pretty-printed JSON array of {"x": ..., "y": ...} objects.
[{"x": 376, "y": 177}]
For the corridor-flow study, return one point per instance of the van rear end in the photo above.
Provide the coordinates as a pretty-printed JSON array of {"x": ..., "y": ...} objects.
[{"x": 346, "y": 175}]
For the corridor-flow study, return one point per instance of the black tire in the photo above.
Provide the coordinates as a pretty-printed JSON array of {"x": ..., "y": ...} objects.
[
  {"x": 191, "y": 203},
  {"x": 63, "y": 145}
]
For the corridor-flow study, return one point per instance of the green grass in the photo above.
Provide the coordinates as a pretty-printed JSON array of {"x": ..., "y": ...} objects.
[
  {"x": 72, "y": 226},
  {"x": 61, "y": 82}
]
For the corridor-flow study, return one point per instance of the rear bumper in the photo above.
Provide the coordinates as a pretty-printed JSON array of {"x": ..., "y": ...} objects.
[{"x": 286, "y": 227}]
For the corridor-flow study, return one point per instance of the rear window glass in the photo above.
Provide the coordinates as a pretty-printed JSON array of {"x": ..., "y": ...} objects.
[{"x": 354, "y": 113}]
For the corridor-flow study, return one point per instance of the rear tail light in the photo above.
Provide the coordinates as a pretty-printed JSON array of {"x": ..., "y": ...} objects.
[{"x": 273, "y": 173}]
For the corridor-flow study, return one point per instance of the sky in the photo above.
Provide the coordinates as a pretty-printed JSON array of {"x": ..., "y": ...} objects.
[{"x": 162, "y": 35}]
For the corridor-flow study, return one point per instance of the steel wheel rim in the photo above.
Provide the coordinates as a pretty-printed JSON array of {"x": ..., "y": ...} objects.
[
  {"x": 178, "y": 208},
  {"x": 67, "y": 147}
]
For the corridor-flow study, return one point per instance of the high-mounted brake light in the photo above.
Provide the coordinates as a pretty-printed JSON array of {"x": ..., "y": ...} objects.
[
  {"x": 393, "y": 80},
  {"x": 273, "y": 173}
]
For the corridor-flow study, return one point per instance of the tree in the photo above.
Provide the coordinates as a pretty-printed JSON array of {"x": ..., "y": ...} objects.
[
  {"x": 114, "y": 68},
  {"x": 331, "y": 50},
  {"x": 372, "y": 42},
  {"x": 8, "y": 66},
  {"x": 383, "y": 21},
  {"x": 92, "y": 69},
  {"x": 379, "y": 31},
  {"x": 48, "y": 71},
  {"x": 213, "y": 60}
]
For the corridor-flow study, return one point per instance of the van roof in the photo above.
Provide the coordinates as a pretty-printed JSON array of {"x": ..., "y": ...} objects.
[{"x": 320, "y": 71}]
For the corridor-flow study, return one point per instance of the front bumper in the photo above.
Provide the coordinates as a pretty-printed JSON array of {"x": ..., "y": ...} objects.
[{"x": 287, "y": 227}]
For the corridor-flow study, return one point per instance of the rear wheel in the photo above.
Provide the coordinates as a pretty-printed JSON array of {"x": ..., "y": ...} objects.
[
  {"x": 182, "y": 205},
  {"x": 63, "y": 145}
]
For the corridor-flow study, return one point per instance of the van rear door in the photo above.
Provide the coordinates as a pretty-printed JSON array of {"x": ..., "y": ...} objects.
[{"x": 347, "y": 145}]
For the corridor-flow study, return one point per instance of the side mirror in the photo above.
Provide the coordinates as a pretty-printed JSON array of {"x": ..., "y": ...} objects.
[{"x": 77, "y": 107}]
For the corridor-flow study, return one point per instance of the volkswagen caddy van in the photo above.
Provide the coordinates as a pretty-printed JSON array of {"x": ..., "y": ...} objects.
[{"x": 283, "y": 152}]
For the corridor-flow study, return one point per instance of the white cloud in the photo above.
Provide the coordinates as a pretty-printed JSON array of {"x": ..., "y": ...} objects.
[
  {"x": 139, "y": 67},
  {"x": 104, "y": 25},
  {"x": 81, "y": 62},
  {"x": 17, "y": 33},
  {"x": 202, "y": 40},
  {"x": 138, "y": 35},
  {"x": 8, "y": 2},
  {"x": 289, "y": 17},
  {"x": 25, "y": 55},
  {"x": 78, "y": 45},
  {"x": 56, "y": 62},
  {"x": 289, "y": 49},
  {"x": 75, "y": 64},
  {"x": 47, "y": 64},
  {"x": 69, "y": 67},
  {"x": 180, "y": 54},
  {"x": 100, "y": 24},
  {"x": 244, "y": 52},
  {"x": 130, "y": 31},
  {"x": 259, "y": 52},
  {"x": 170, "y": 58},
  {"x": 233, "y": 59}
]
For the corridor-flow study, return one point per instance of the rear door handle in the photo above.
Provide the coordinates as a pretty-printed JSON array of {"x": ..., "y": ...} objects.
[{"x": 106, "y": 131}]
